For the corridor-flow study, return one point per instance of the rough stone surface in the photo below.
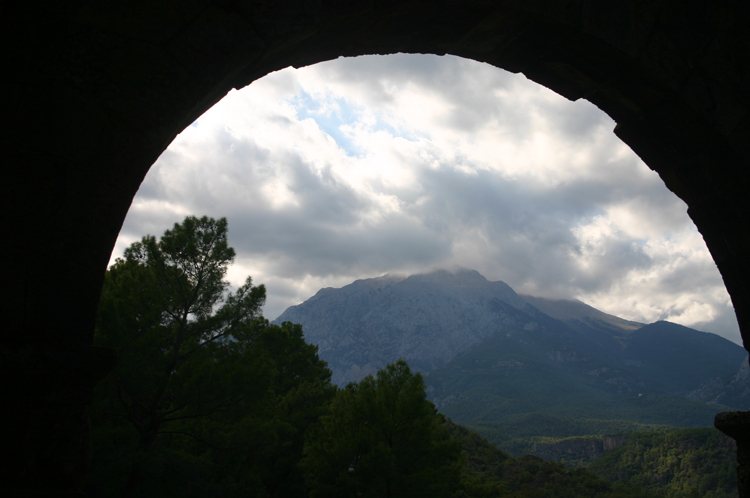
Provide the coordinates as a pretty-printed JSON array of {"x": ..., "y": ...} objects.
[
  {"x": 427, "y": 319},
  {"x": 93, "y": 92},
  {"x": 737, "y": 426}
]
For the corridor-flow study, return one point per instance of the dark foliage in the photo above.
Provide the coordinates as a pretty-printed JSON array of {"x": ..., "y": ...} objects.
[
  {"x": 208, "y": 398},
  {"x": 382, "y": 438},
  {"x": 677, "y": 463},
  {"x": 490, "y": 472}
]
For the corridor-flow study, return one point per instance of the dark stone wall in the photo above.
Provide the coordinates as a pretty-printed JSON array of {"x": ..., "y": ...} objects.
[{"x": 93, "y": 92}]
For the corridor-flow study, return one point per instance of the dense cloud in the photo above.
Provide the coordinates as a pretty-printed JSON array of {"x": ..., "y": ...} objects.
[{"x": 357, "y": 167}]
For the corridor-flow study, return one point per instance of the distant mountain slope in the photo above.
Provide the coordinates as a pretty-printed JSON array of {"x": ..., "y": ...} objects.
[
  {"x": 732, "y": 390},
  {"x": 573, "y": 312},
  {"x": 426, "y": 319},
  {"x": 521, "y": 385},
  {"x": 681, "y": 358},
  {"x": 498, "y": 362}
]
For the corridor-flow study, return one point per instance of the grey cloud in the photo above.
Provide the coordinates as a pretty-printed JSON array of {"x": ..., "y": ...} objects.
[
  {"x": 324, "y": 233},
  {"x": 470, "y": 87},
  {"x": 693, "y": 276},
  {"x": 138, "y": 224},
  {"x": 575, "y": 121},
  {"x": 479, "y": 93},
  {"x": 315, "y": 246},
  {"x": 529, "y": 230},
  {"x": 153, "y": 190},
  {"x": 429, "y": 72},
  {"x": 619, "y": 257}
]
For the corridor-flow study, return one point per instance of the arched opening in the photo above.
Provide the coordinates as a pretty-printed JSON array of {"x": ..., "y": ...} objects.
[
  {"x": 113, "y": 86},
  {"x": 357, "y": 167},
  {"x": 681, "y": 127},
  {"x": 281, "y": 186}
]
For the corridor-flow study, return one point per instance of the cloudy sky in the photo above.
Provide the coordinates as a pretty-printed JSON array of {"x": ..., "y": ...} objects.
[{"x": 358, "y": 167}]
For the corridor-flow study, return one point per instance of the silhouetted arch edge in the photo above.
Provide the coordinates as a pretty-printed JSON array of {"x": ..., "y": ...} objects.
[{"x": 96, "y": 92}]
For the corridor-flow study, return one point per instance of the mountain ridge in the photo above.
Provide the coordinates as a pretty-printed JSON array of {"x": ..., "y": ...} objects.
[
  {"x": 574, "y": 310},
  {"x": 558, "y": 379},
  {"x": 428, "y": 319},
  {"x": 431, "y": 318}
]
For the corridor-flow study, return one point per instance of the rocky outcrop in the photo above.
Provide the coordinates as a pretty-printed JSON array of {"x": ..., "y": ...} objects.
[
  {"x": 732, "y": 391},
  {"x": 427, "y": 319}
]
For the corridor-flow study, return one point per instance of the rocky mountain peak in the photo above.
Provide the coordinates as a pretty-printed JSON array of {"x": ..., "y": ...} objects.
[
  {"x": 427, "y": 318},
  {"x": 455, "y": 324}
]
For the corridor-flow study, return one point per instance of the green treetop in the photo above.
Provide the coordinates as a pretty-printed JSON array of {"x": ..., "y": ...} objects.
[
  {"x": 208, "y": 398},
  {"x": 382, "y": 438}
]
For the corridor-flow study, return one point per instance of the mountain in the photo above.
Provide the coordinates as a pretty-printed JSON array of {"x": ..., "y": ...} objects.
[
  {"x": 579, "y": 314},
  {"x": 732, "y": 390},
  {"x": 681, "y": 358},
  {"x": 426, "y": 319},
  {"x": 518, "y": 367},
  {"x": 521, "y": 386}
]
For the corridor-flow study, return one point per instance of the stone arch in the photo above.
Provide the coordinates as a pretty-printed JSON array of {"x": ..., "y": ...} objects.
[{"x": 95, "y": 92}]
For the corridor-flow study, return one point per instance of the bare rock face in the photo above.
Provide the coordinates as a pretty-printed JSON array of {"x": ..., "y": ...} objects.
[
  {"x": 733, "y": 390},
  {"x": 427, "y": 319}
]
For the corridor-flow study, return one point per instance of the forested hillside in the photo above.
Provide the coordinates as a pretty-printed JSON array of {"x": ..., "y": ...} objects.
[
  {"x": 675, "y": 463},
  {"x": 490, "y": 472},
  {"x": 511, "y": 390}
]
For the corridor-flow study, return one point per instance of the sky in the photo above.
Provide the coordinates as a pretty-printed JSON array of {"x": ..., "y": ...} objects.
[{"x": 400, "y": 164}]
